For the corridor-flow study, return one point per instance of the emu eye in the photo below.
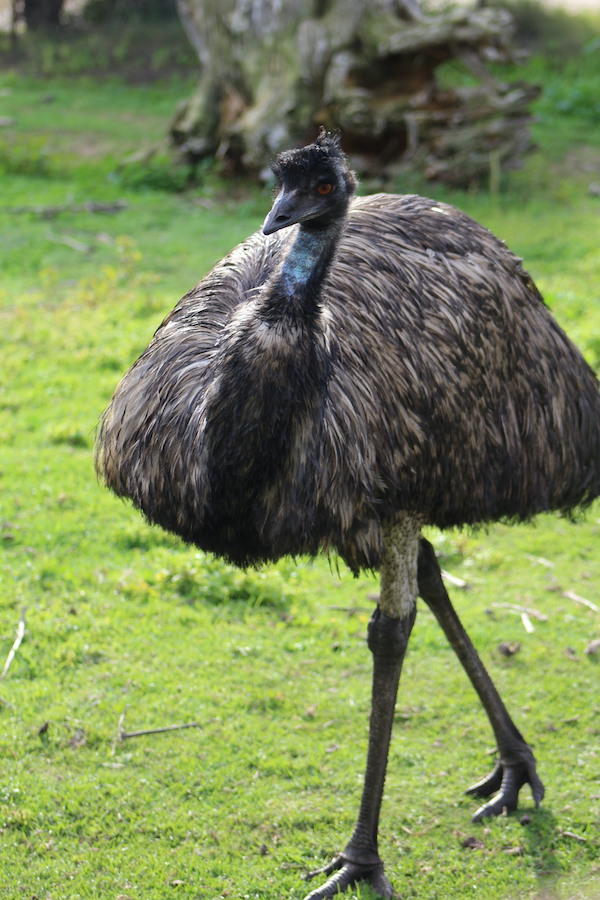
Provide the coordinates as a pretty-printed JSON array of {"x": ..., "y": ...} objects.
[{"x": 325, "y": 188}]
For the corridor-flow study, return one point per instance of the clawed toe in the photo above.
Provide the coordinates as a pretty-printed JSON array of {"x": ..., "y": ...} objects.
[
  {"x": 345, "y": 875},
  {"x": 507, "y": 780},
  {"x": 487, "y": 786}
]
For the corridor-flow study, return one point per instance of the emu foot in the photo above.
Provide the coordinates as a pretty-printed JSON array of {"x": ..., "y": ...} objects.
[
  {"x": 345, "y": 875},
  {"x": 507, "y": 779}
]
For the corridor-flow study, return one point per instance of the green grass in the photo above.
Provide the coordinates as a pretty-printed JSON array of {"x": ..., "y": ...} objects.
[{"x": 123, "y": 620}]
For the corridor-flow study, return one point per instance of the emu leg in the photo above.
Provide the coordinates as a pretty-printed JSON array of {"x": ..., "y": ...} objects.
[
  {"x": 360, "y": 861},
  {"x": 516, "y": 765}
]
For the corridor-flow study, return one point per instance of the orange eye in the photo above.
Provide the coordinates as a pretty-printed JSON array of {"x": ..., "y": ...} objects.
[{"x": 325, "y": 188}]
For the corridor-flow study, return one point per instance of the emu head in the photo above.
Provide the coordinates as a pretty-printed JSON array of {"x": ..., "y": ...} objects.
[{"x": 315, "y": 185}]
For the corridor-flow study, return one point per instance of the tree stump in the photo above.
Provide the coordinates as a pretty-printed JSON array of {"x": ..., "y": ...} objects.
[
  {"x": 273, "y": 72},
  {"x": 38, "y": 14}
]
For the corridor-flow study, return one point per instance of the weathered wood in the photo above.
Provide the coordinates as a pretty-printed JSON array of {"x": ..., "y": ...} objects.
[
  {"x": 272, "y": 73},
  {"x": 41, "y": 14}
]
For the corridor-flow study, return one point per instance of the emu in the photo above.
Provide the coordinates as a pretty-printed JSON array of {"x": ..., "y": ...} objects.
[{"x": 358, "y": 369}]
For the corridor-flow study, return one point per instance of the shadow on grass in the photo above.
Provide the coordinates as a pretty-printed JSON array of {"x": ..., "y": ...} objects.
[{"x": 541, "y": 838}]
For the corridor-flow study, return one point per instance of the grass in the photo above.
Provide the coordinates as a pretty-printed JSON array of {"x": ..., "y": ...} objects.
[{"x": 128, "y": 628}]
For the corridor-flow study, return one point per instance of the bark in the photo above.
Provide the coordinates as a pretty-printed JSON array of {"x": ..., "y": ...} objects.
[
  {"x": 272, "y": 72},
  {"x": 42, "y": 14}
]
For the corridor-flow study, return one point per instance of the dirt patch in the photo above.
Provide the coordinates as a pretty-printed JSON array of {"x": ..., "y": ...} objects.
[{"x": 583, "y": 159}]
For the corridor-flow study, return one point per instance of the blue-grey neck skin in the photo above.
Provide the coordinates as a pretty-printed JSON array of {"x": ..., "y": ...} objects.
[
  {"x": 296, "y": 289},
  {"x": 300, "y": 263}
]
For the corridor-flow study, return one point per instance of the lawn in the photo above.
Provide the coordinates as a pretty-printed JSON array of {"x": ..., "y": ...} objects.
[{"x": 126, "y": 629}]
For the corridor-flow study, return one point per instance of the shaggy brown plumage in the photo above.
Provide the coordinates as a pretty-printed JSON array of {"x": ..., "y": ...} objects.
[{"x": 431, "y": 379}]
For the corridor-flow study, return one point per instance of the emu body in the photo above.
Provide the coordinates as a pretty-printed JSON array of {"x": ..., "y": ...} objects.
[
  {"x": 428, "y": 377},
  {"x": 356, "y": 370}
]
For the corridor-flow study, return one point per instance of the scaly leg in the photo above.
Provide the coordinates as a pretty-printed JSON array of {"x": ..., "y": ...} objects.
[
  {"x": 360, "y": 861},
  {"x": 516, "y": 765},
  {"x": 387, "y": 637}
]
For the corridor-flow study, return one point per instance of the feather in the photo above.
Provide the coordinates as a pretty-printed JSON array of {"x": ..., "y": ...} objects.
[{"x": 426, "y": 376}]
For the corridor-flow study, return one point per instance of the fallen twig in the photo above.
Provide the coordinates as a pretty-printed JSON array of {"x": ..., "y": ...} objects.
[
  {"x": 527, "y": 623},
  {"x": 526, "y": 613},
  {"x": 571, "y": 595},
  {"x": 575, "y": 837},
  {"x": 541, "y": 617},
  {"x": 73, "y": 243},
  {"x": 457, "y": 582},
  {"x": 17, "y": 643},
  {"x": 49, "y": 212},
  {"x": 540, "y": 561},
  {"x": 125, "y": 735}
]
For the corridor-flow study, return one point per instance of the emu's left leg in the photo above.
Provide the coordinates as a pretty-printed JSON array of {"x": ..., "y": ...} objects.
[
  {"x": 388, "y": 633},
  {"x": 360, "y": 860},
  {"x": 516, "y": 765}
]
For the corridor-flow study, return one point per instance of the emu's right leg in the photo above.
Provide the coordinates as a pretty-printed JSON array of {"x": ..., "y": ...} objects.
[{"x": 516, "y": 765}]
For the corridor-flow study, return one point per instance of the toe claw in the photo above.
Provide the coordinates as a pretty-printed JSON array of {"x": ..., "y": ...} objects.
[
  {"x": 507, "y": 779},
  {"x": 345, "y": 875},
  {"x": 328, "y": 869},
  {"x": 487, "y": 786},
  {"x": 495, "y": 807},
  {"x": 537, "y": 788}
]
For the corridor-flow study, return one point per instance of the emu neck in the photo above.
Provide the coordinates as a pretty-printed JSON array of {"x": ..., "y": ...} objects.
[{"x": 296, "y": 290}]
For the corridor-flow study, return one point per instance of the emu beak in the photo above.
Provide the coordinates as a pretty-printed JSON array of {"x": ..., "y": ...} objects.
[
  {"x": 282, "y": 212},
  {"x": 289, "y": 208}
]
